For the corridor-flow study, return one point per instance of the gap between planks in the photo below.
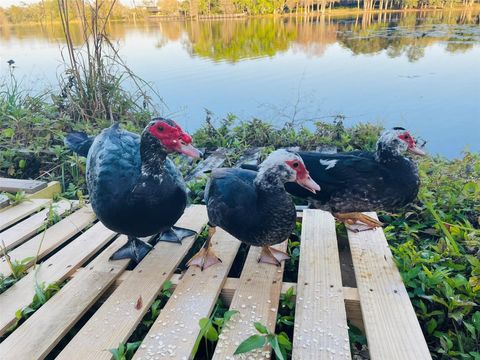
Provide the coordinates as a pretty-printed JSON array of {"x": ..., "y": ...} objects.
[{"x": 350, "y": 295}]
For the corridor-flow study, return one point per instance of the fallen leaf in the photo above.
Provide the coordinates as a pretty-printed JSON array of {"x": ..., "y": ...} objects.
[{"x": 139, "y": 303}]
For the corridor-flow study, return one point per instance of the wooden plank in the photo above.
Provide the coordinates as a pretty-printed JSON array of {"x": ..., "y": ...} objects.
[
  {"x": 55, "y": 269},
  {"x": 145, "y": 281},
  {"x": 17, "y": 185},
  {"x": 51, "y": 239},
  {"x": 16, "y": 213},
  {"x": 176, "y": 329},
  {"x": 392, "y": 328},
  {"x": 62, "y": 311},
  {"x": 20, "y": 232},
  {"x": 321, "y": 330},
  {"x": 350, "y": 295},
  {"x": 53, "y": 188},
  {"x": 256, "y": 299},
  {"x": 4, "y": 201}
]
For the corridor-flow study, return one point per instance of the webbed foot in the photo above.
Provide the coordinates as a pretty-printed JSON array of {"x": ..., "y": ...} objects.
[
  {"x": 357, "y": 222},
  {"x": 270, "y": 255},
  {"x": 134, "y": 249},
  {"x": 206, "y": 256},
  {"x": 174, "y": 235}
]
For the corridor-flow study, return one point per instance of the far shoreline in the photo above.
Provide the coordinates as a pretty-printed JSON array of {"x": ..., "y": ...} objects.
[{"x": 339, "y": 12}]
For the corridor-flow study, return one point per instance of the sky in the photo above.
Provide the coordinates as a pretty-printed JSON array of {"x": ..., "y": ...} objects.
[{"x": 7, "y": 3}]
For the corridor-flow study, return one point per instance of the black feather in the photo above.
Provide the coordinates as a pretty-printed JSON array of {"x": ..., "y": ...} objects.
[{"x": 79, "y": 142}]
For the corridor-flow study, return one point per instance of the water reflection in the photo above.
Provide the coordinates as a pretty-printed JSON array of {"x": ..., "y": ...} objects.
[
  {"x": 234, "y": 40},
  {"x": 400, "y": 69}
]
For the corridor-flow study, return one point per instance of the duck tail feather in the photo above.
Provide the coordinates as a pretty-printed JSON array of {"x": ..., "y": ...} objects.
[
  {"x": 79, "y": 142},
  {"x": 249, "y": 167}
]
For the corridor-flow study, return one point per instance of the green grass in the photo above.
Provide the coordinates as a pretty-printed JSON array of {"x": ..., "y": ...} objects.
[{"x": 435, "y": 241}]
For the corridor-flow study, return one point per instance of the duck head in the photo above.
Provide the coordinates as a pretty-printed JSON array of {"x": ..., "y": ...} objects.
[
  {"x": 396, "y": 141},
  {"x": 170, "y": 136},
  {"x": 283, "y": 166}
]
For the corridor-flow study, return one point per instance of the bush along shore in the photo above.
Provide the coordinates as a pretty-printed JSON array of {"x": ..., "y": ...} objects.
[{"x": 435, "y": 241}]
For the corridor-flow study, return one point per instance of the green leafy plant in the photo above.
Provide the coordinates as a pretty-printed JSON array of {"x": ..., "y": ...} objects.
[
  {"x": 17, "y": 198},
  {"x": 211, "y": 327},
  {"x": 280, "y": 343},
  {"x": 125, "y": 351}
]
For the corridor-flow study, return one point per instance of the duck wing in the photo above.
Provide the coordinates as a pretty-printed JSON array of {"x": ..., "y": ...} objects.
[
  {"x": 230, "y": 193},
  {"x": 113, "y": 164},
  {"x": 341, "y": 174},
  {"x": 79, "y": 142}
]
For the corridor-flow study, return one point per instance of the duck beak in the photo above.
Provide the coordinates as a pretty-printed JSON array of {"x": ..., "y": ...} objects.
[
  {"x": 414, "y": 149},
  {"x": 189, "y": 150},
  {"x": 308, "y": 183}
]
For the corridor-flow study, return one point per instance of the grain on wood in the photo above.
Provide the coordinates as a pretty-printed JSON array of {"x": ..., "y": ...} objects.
[
  {"x": 16, "y": 213},
  {"x": 50, "y": 239},
  {"x": 53, "y": 188},
  {"x": 392, "y": 328},
  {"x": 176, "y": 329},
  {"x": 145, "y": 281},
  {"x": 55, "y": 269},
  {"x": 321, "y": 330},
  {"x": 43, "y": 330},
  {"x": 17, "y": 185},
  {"x": 20, "y": 232},
  {"x": 256, "y": 299}
]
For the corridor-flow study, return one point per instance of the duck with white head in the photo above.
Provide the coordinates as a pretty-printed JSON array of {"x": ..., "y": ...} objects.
[{"x": 254, "y": 207}]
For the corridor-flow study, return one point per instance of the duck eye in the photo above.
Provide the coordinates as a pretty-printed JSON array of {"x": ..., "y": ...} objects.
[
  {"x": 295, "y": 165},
  {"x": 160, "y": 128}
]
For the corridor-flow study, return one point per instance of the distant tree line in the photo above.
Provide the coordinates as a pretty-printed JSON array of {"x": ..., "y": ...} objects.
[
  {"x": 263, "y": 7},
  {"x": 48, "y": 10}
]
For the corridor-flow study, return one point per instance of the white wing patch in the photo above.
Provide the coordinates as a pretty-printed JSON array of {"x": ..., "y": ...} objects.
[{"x": 328, "y": 163}]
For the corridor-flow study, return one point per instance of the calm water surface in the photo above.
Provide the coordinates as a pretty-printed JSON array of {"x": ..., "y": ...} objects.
[{"x": 417, "y": 70}]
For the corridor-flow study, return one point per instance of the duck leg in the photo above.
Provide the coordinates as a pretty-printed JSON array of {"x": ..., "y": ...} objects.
[
  {"x": 174, "y": 234},
  {"x": 356, "y": 221},
  {"x": 134, "y": 249},
  {"x": 205, "y": 257},
  {"x": 270, "y": 255}
]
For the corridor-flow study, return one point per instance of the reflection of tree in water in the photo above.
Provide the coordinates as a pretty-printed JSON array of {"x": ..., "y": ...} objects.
[
  {"x": 409, "y": 33},
  {"x": 232, "y": 40},
  {"x": 314, "y": 34},
  {"x": 236, "y": 40}
]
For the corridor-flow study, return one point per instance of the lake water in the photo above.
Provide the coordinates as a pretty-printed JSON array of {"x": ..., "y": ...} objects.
[{"x": 417, "y": 70}]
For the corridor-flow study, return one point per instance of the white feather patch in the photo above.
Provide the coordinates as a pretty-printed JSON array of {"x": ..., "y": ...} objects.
[{"x": 328, "y": 163}]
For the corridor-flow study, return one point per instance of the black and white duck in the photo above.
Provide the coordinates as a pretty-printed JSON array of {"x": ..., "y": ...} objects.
[
  {"x": 134, "y": 188},
  {"x": 357, "y": 181},
  {"x": 254, "y": 206}
]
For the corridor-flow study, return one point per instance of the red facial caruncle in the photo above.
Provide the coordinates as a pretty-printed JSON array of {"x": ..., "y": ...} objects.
[
  {"x": 173, "y": 138},
  {"x": 303, "y": 177},
  {"x": 412, "y": 145}
]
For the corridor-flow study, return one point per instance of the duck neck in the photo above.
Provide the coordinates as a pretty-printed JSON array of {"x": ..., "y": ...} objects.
[
  {"x": 269, "y": 182},
  {"x": 386, "y": 154},
  {"x": 153, "y": 155}
]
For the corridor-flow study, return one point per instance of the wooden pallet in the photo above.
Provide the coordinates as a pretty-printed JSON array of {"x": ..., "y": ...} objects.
[{"x": 77, "y": 249}]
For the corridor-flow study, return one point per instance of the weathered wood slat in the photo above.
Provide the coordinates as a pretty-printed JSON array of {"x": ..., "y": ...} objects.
[
  {"x": 4, "y": 201},
  {"x": 20, "y": 232},
  {"x": 40, "y": 333},
  {"x": 256, "y": 299},
  {"x": 16, "y": 213},
  {"x": 145, "y": 281},
  {"x": 392, "y": 328},
  {"x": 16, "y": 185},
  {"x": 52, "y": 238},
  {"x": 55, "y": 269},
  {"x": 321, "y": 330},
  {"x": 49, "y": 192},
  {"x": 176, "y": 329}
]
